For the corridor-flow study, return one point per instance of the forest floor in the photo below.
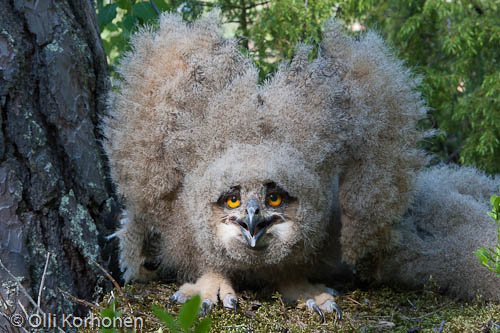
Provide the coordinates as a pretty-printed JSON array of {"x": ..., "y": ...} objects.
[{"x": 371, "y": 310}]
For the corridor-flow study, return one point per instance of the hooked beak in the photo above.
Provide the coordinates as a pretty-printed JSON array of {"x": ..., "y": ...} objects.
[{"x": 253, "y": 225}]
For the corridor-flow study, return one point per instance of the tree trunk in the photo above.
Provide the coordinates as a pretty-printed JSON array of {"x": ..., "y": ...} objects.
[
  {"x": 54, "y": 195},
  {"x": 243, "y": 24}
]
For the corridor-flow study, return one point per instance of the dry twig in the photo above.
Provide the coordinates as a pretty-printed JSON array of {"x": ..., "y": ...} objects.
[
  {"x": 117, "y": 286},
  {"x": 43, "y": 281},
  {"x": 352, "y": 300},
  {"x": 80, "y": 301}
]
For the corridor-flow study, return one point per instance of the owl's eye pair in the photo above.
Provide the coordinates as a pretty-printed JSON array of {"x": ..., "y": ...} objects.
[{"x": 273, "y": 200}]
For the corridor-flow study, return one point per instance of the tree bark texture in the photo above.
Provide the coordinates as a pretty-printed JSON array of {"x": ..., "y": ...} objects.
[{"x": 54, "y": 195}]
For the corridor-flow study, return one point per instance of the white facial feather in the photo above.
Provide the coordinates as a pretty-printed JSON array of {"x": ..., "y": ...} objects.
[
  {"x": 226, "y": 232},
  {"x": 282, "y": 231}
]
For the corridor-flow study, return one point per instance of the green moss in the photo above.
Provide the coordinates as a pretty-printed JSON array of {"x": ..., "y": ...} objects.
[
  {"x": 379, "y": 309},
  {"x": 9, "y": 37},
  {"x": 108, "y": 206},
  {"x": 38, "y": 251},
  {"x": 48, "y": 167},
  {"x": 55, "y": 47},
  {"x": 80, "y": 226},
  {"x": 11, "y": 289},
  {"x": 65, "y": 201}
]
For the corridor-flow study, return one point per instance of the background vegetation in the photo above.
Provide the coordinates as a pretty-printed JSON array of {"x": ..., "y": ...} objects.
[{"x": 453, "y": 45}]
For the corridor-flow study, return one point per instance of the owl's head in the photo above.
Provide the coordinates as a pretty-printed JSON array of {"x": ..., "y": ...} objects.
[
  {"x": 258, "y": 205},
  {"x": 255, "y": 215}
]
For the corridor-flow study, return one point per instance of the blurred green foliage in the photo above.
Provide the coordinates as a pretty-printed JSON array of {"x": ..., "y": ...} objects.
[
  {"x": 282, "y": 24},
  {"x": 453, "y": 45},
  {"x": 120, "y": 18},
  {"x": 490, "y": 258}
]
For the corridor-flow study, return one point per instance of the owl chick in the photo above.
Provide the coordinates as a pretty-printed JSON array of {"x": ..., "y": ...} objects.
[
  {"x": 242, "y": 182},
  {"x": 229, "y": 182}
]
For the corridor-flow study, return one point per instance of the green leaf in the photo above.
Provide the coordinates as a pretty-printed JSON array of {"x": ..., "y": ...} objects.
[
  {"x": 203, "y": 326},
  {"x": 162, "y": 5},
  {"x": 482, "y": 255},
  {"x": 111, "y": 27},
  {"x": 144, "y": 11},
  {"x": 495, "y": 201},
  {"x": 492, "y": 200},
  {"x": 165, "y": 317},
  {"x": 189, "y": 312},
  {"x": 107, "y": 14},
  {"x": 125, "y": 4},
  {"x": 109, "y": 312},
  {"x": 129, "y": 23}
]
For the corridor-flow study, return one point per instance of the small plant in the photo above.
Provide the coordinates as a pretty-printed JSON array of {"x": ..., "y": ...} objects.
[
  {"x": 490, "y": 258},
  {"x": 110, "y": 312},
  {"x": 187, "y": 319}
]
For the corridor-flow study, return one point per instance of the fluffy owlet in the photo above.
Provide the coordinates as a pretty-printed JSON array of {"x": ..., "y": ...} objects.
[{"x": 231, "y": 182}]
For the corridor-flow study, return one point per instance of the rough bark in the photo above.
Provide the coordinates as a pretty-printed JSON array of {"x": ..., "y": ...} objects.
[{"x": 54, "y": 195}]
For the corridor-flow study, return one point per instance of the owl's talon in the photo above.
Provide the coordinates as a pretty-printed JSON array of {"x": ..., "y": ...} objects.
[
  {"x": 178, "y": 297},
  {"x": 330, "y": 306},
  {"x": 206, "y": 307},
  {"x": 231, "y": 302},
  {"x": 311, "y": 304},
  {"x": 235, "y": 305}
]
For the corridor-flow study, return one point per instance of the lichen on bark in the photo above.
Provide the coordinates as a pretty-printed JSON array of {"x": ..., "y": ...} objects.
[{"x": 54, "y": 193}]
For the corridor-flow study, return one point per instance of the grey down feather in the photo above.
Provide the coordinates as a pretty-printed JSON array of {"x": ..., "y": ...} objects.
[{"x": 189, "y": 118}]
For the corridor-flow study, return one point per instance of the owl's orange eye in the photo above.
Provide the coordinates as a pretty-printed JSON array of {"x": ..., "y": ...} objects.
[
  {"x": 233, "y": 201},
  {"x": 274, "y": 200}
]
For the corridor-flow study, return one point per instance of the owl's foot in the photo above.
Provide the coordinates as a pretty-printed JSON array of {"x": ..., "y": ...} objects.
[
  {"x": 317, "y": 297},
  {"x": 211, "y": 287}
]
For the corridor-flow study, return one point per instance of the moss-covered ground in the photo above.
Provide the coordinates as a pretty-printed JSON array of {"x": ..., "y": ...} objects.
[{"x": 370, "y": 310}]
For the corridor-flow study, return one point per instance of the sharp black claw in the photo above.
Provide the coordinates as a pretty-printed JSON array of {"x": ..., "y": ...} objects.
[
  {"x": 338, "y": 310},
  {"x": 234, "y": 302},
  {"x": 205, "y": 308},
  {"x": 318, "y": 311}
]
